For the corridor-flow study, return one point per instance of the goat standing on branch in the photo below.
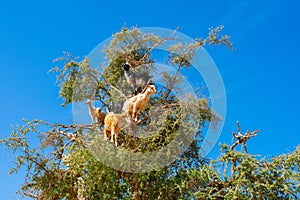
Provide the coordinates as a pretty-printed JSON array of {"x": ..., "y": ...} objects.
[
  {"x": 95, "y": 113},
  {"x": 137, "y": 103},
  {"x": 136, "y": 80},
  {"x": 112, "y": 124}
]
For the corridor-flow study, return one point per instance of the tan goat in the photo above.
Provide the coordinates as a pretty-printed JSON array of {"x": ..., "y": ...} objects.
[
  {"x": 112, "y": 126},
  {"x": 137, "y": 103},
  {"x": 95, "y": 113}
]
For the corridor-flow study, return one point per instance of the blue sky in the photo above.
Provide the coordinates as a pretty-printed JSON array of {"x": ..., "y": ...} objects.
[{"x": 261, "y": 76}]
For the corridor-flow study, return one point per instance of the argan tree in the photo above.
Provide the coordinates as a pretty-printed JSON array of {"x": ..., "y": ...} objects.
[{"x": 74, "y": 161}]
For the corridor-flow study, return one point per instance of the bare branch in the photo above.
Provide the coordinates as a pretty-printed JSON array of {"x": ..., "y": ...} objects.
[
  {"x": 121, "y": 93},
  {"x": 156, "y": 45},
  {"x": 242, "y": 139}
]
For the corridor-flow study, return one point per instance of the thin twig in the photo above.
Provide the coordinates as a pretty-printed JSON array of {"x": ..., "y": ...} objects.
[
  {"x": 174, "y": 80},
  {"x": 125, "y": 97},
  {"x": 156, "y": 45},
  {"x": 242, "y": 139}
]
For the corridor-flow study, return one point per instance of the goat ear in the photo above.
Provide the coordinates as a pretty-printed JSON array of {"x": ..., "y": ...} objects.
[{"x": 151, "y": 82}]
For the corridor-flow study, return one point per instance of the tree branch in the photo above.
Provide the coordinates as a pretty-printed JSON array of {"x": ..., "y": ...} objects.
[
  {"x": 242, "y": 139},
  {"x": 121, "y": 93}
]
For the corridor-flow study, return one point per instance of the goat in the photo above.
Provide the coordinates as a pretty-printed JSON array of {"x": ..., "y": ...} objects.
[
  {"x": 136, "y": 104},
  {"x": 112, "y": 126},
  {"x": 136, "y": 80},
  {"x": 95, "y": 113}
]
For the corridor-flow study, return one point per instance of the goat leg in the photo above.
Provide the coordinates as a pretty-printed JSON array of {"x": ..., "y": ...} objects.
[
  {"x": 112, "y": 133},
  {"x": 105, "y": 134},
  {"x": 116, "y": 141}
]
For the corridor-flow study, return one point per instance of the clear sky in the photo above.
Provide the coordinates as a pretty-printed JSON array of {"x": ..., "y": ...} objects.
[{"x": 261, "y": 76}]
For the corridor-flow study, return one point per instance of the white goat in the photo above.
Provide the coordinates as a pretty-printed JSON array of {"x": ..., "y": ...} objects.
[
  {"x": 95, "y": 113},
  {"x": 112, "y": 126},
  {"x": 137, "y": 103}
]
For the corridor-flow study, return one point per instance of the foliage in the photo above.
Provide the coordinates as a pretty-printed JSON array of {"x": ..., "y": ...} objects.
[{"x": 60, "y": 166}]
